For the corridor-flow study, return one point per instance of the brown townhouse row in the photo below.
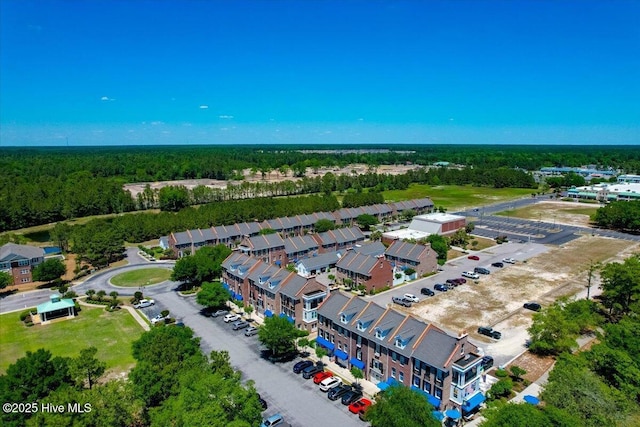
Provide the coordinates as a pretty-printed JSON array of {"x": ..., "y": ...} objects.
[
  {"x": 19, "y": 261},
  {"x": 391, "y": 347},
  {"x": 232, "y": 235},
  {"x": 273, "y": 291}
]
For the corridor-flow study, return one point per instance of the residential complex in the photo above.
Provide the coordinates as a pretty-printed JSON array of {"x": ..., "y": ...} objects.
[{"x": 392, "y": 347}]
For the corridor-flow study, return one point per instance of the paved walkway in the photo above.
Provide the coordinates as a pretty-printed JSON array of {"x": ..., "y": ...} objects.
[{"x": 134, "y": 313}]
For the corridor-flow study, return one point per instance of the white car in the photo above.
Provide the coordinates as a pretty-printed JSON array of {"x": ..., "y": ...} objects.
[
  {"x": 158, "y": 318},
  {"x": 411, "y": 297},
  {"x": 144, "y": 303},
  {"x": 231, "y": 317},
  {"x": 470, "y": 275},
  {"x": 329, "y": 383},
  {"x": 509, "y": 260}
]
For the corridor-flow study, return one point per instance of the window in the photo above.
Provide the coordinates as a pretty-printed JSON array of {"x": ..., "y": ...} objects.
[
  {"x": 23, "y": 263},
  {"x": 25, "y": 280},
  {"x": 333, "y": 338},
  {"x": 426, "y": 387},
  {"x": 401, "y": 377},
  {"x": 416, "y": 381},
  {"x": 438, "y": 393},
  {"x": 25, "y": 271},
  {"x": 455, "y": 392},
  {"x": 343, "y": 318},
  {"x": 393, "y": 372},
  {"x": 359, "y": 354},
  {"x": 360, "y": 326}
]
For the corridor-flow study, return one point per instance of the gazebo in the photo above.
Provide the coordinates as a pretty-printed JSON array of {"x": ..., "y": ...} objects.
[{"x": 56, "y": 307}]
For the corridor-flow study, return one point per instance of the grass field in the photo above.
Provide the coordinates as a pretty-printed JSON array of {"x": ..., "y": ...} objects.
[
  {"x": 110, "y": 332},
  {"x": 454, "y": 197},
  {"x": 143, "y": 277}
]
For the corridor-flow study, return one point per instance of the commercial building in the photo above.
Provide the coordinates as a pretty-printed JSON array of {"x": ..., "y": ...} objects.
[{"x": 606, "y": 192}]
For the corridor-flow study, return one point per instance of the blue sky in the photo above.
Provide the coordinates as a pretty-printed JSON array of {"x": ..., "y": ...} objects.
[{"x": 311, "y": 71}]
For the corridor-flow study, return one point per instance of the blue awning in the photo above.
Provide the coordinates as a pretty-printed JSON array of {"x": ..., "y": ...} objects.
[
  {"x": 239, "y": 297},
  {"x": 278, "y": 263},
  {"x": 341, "y": 354},
  {"x": 382, "y": 385},
  {"x": 268, "y": 313},
  {"x": 392, "y": 381},
  {"x": 325, "y": 343},
  {"x": 357, "y": 363},
  {"x": 233, "y": 294},
  {"x": 432, "y": 399},
  {"x": 473, "y": 403},
  {"x": 438, "y": 415},
  {"x": 225, "y": 285},
  {"x": 454, "y": 414}
]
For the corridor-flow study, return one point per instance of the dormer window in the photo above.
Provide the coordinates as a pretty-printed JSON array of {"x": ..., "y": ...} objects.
[
  {"x": 400, "y": 343},
  {"x": 234, "y": 267},
  {"x": 360, "y": 326},
  {"x": 343, "y": 318},
  {"x": 380, "y": 334}
]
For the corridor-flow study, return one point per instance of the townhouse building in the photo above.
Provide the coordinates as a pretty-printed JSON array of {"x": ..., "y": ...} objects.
[
  {"x": 339, "y": 239},
  {"x": 420, "y": 258},
  {"x": 187, "y": 242},
  {"x": 355, "y": 269},
  {"x": 271, "y": 290},
  {"x": 391, "y": 347},
  {"x": 269, "y": 248},
  {"x": 19, "y": 261}
]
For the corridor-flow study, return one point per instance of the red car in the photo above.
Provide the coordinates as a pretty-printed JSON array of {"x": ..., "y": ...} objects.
[
  {"x": 474, "y": 257},
  {"x": 360, "y": 405},
  {"x": 317, "y": 378}
]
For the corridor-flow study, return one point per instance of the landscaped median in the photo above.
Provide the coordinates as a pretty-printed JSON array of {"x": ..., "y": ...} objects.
[{"x": 141, "y": 277}]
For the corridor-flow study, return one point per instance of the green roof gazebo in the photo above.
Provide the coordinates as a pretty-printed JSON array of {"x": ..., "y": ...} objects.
[{"x": 56, "y": 307}]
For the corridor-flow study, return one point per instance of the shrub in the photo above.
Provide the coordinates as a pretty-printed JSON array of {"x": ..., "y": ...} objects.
[
  {"x": 501, "y": 373},
  {"x": 25, "y": 314}
]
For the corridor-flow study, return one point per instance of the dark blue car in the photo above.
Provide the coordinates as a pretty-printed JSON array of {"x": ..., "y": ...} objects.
[{"x": 300, "y": 366}]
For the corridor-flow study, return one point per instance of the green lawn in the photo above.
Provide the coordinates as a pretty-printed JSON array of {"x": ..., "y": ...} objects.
[
  {"x": 143, "y": 277},
  {"x": 110, "y": 332},
  {"x": 454, "y": 197}
]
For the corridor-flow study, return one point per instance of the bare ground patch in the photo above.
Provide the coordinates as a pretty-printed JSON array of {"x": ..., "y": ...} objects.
[
  {"x": 559, "y": 212},
  {"x": 494, "y": 298}
]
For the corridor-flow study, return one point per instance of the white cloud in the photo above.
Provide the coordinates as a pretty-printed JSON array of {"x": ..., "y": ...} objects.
[
  {"x": 156, "y": 123},
  {"x": 106, "y": 98},
  {"x": 225, "y": 116},
  {"x": 204, "y": 107}
]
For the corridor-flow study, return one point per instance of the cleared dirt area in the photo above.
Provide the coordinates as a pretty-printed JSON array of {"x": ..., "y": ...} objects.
[
  {"x": 561, "y": 271},
  {"x": 273, "y": 176},
  {"x": 568, "y": 213}
]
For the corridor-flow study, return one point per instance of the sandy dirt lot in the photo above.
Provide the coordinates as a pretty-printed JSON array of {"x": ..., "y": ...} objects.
[
  {"x": 561, "y": 271},
  {"x": 559, "y": 212},
  {"x": 274, "y": 176}
]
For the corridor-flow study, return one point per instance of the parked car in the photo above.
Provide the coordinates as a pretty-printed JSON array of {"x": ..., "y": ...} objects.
[
  {"x": 251, "y": 331},
  {"x": 310, "y": 371},
  {"x": 231, "y": 317},
  {"x": 460, "y": 280},
  {"x": 509, "y": 260},
  {"x": 157, "y": 319},
  {"x": 144, "y": 303},
  {"x": 470, "y": 274},
  {"x": 474, "y": 257},
  {"x": 451, "y": 283},
  {"x": 498, "y": 264},
  {"x": 329, "y": 383},
  {"x": 240, "y": 324},
  {"x": 532, "y": 306},
  {"x": 219, "y": 313},
  {"x": 359, "y": 405},
  {"x": 401, "y": 301},
  {"x": 440, "y": 287},
  {"x": 481, "y": 270},
  {"x": 300, "y": 366},
  {"x": 339, "y": 391},
  {"x": 411, "y": 297},
  {"x": 321, "y": 376},
  {"x": 351, "y": 396},
  {"x": 273, "y": 421},
  {"x": 487, "y": 362},
  {"x": 490, "y": 332},
  {"x": 428, "y": 292}
]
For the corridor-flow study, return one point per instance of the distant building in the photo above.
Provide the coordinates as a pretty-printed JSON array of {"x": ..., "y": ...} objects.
[
  {"x": 423, "y": 226},
  {"x": 606, "y": 192},
  {"x": 584, "y": 171},
  {"x": 19, "y": 261},
  {"x": 629, "y": 179}
]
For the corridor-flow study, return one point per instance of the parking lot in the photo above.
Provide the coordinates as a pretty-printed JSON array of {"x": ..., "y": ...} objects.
[{"x": 300, "y": 401}]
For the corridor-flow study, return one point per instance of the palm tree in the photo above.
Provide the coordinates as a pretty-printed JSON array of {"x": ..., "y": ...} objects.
[
  {"x": 90, "y": 293},
  {"x": 101, "y": 295}
]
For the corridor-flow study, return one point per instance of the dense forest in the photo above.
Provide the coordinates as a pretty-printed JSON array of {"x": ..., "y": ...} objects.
[{"x": 43, "y": 185}]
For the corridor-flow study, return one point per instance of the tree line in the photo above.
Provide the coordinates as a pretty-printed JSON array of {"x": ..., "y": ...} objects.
[{"x": 44, "y": 185}]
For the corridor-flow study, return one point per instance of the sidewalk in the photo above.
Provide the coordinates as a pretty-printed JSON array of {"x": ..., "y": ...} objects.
[{"x": 131, "y": 310}]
